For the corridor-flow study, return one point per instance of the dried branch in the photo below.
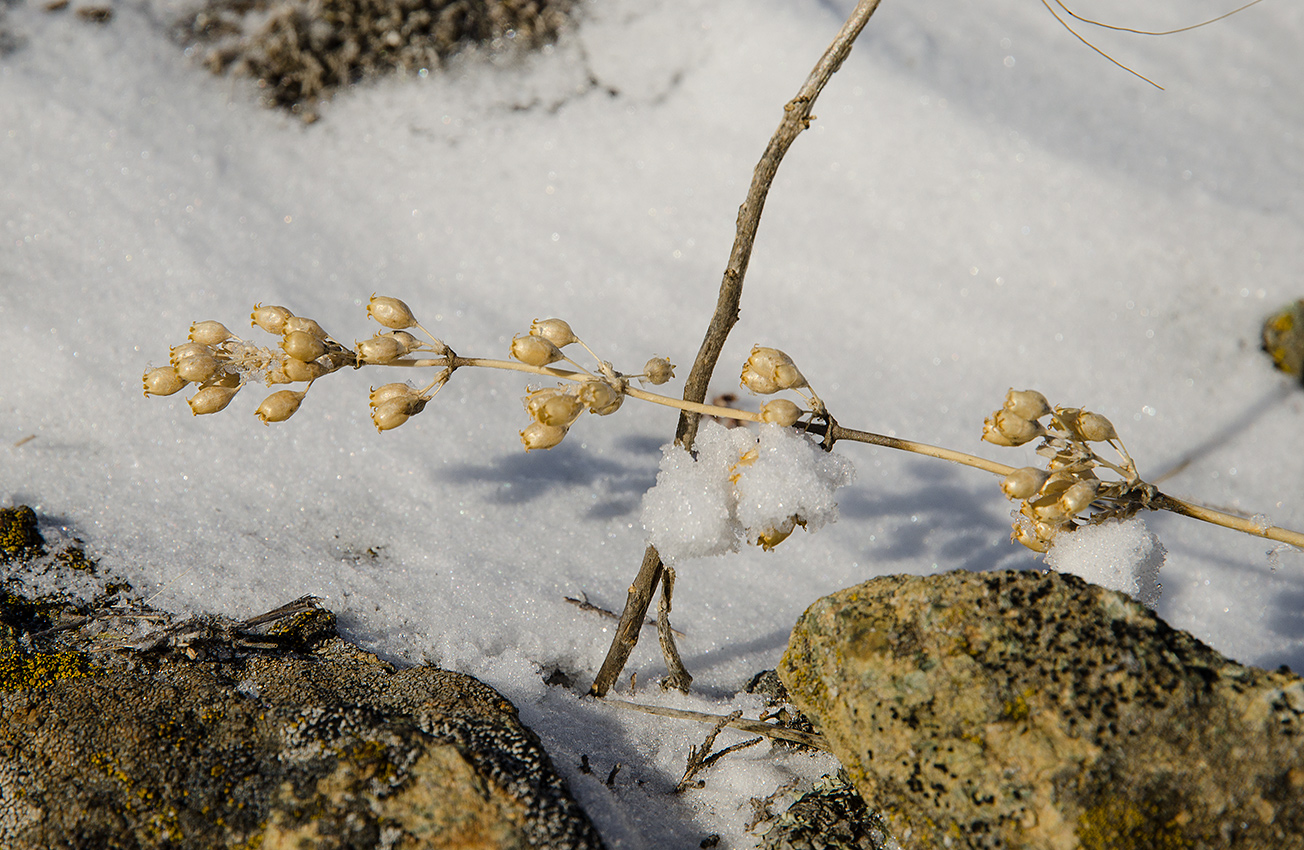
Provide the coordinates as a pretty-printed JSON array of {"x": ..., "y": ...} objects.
[
  {"x": 796, "y": 118},
  {"x": 796, "y": 736},
  {"x": 698, "y": 760}
]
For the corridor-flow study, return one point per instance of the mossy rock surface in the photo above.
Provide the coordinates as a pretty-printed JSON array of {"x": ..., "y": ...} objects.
[
  {"x": 122, "y": 727},
  {"x": 1029, "y": 710}
]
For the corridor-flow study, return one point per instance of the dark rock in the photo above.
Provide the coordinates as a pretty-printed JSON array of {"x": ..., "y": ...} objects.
[
  {"x": 127, "y": 728},
  {"x": 831, "y": 816},
  {"x": 1030, "y": 710},
  {"x": 300, "y": 51}
]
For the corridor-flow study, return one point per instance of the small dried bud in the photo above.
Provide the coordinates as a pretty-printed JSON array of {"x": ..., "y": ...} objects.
[
  {"x": 1077, "y": 498},
  {"x": 1024, "y": 483},
  {"x": 163, "y": 381},
  {"x": 600, "y": 397},
  {"x": 772, "y": 537},
  {"x": 390, "y": 312},
  {"x": 556, "y": 331},
  {"x": 298, "y": 370},
  {"x": 198, "y": 368},
  {"x": 535, "y": 350},
  {"x": 380, "y": 349},
  {"x": 770, "y": 366},
  {"x": 211, "y": 399},
  {"x": 561, "y": 409},
  {"x": 298, "y": 324},
  {"x": 224, "y": 379},
  {"x": 270, "y": 318},
  {"x": 302, "y": 345},
  {"x": 658, "y": 371},
  {"x": 397, "y": 410},
  {"x": 389, "y": 392},
  {"x": 407, "y": 341},
  {"x": 188, "y": 349},
  {"x": 780, "y": 412},
  {"x": 1026, "y": 404},
  {"x": 279, "y": 406},
  {"x": 539, "y": 436},
  {"x": 209, "y": 333},
  {"x": 1095, "y": 428},
  {"x": 1016, "y": 429},
  {"x": 536, "y": 399},
  {"x": 1023, "y": 534}
]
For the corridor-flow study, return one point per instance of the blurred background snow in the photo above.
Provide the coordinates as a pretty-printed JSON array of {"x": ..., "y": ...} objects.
[{"x": 982, "y": 202}]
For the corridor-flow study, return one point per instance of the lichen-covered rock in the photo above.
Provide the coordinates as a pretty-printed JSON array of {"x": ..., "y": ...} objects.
[
  {"x": 830, "y": 816},
  {"x": 126, "y": 728},
  {"x": 1028, "y": 710},
  {"x": 300, "y": 51}
]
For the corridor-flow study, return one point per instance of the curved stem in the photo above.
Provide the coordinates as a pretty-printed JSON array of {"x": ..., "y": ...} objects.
[
  {"x": 1226, "y": 520},
  {"x": 840, "y": 433}
]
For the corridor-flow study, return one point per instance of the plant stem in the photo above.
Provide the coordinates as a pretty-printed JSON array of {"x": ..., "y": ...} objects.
[
  {"x": 840, "y": 433},
  {"x": 796, "y": 117},
  {"x": 1226, "y": 520}
]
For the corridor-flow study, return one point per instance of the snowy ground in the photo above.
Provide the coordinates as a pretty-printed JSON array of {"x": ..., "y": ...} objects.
[{"x": 982, "y": 203}]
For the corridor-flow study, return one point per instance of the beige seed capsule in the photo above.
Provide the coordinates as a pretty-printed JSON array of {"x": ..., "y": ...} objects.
[
  {"x": 209, "y": 333},
  {"x": 561, "y": 410},
  {"x": 298, "y": 371},
  {"x": 535, "y": 350},
  {"x": 389, "y": 392},
  {"x": 299, "y": 324},
  {"x": 302, "y": 345},
  {"x": 1078, "y": 498},
  {"x": 279, "y": 406},
  {"x": 211, "y": 399},
  {"x": 1026, "y": 404},
  {"x": 163, "y": 381},
  {"x": 600, "y": 397},
  {"x": 1095, "y": 428},
  {"x": 539, "y": 436},
  {"x": 658, "y": 371},
  {"x": 380, "y": 349},
  {"x": 1015, "y": 428},
  {"x": 780, "y": 412},
  {"x": 186, "y": 350},
  {"x": 198, "y": 368},
  {"x": 1023, "y": 483},
  {"x": 270, "y": 318},
  {"x": 556, "y": 331},
  {"x": 390, "y": 312}
]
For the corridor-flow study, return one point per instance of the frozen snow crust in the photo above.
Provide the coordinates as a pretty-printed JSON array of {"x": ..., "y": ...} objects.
[{"x": 740, "y": 486}]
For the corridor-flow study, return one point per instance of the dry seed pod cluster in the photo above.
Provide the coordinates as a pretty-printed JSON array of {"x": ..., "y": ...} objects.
[
  {"x": 1054, "y": 499},
  {"x": 554, "y": 409},
  {"x": 769, "y": 370},
  {"x": 220, "y": 363}
]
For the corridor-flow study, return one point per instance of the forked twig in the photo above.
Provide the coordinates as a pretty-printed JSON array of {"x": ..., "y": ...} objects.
[
  {"x": 759, "y": 727},
  {"x": 796, "y": 118}
]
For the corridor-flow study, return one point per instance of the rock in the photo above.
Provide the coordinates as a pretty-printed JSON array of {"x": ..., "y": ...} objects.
[
  {"x": 300, "y": 51},
  {"x": 1030, "y": 710},
  {"x": 124, "y": 727},
  {"x": 831, "y": 816}
]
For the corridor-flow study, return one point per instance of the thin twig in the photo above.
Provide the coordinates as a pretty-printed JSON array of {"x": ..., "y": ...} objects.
[
  {"x": 758, "y": 727},
  {"x": 677, "y": 676},
  {"x": 698, "y": 760},
  {"x": 796, "y": 118}
]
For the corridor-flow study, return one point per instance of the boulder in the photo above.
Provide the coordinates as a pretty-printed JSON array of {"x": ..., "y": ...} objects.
[
  {"x": 1033, "y": 710},
  {"x": 122, "y": 726}
]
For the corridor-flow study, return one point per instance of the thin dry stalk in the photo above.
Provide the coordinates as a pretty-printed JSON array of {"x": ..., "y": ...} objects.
[
  {"x": 796, "y": 118},
  {"x": 699, "y": 760},
  {"x": 678, "y": 676},
  {"x": 759, "y": 727}
]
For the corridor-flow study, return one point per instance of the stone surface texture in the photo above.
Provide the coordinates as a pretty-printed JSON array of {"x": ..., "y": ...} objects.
[
  {"x": 122, "y": 727},
  {"x": 1033, "y": 710}
]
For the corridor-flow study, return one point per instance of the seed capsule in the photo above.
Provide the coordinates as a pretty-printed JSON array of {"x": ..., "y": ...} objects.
[
  {"x": 298, "y": 324},
  {"x": 209, "y": 333},
  {"x": 198, "y": 368},
  {"x": 270, "y": 318},
  {"x": 211, "y": 399},
  {"x": 556, "y": 331},
  {"x": 279, "y": 406},
  {"x": 1023, "y": 483},
  {"x": 658, "y": 371},
  {"x": 780, "y": 412},
  {"x": 302, "y": 345},
  {"x": 188, "y": 349},
  {"x": 769, "y": 370},
  {"x": 388, "y": 392},
  {"x": 1023, "y": 534},
  {"x": 163, "y": 381},
  {"x": 1095, "y": 428},
  {"x": 561, "y": 409},
  {"x": 390, "y": 312},
  {"x": 1079, "y": 497},
  {"x": 539, "y": 436},
  {"x": 1015, "y": 429},
  {"x": 600, "y": 397},
  {"x": 380, "y": 349},
  {"x": 393, "y": 412},
  {"x": 1026, "y": 404},
  {"x": 298, "y": 370},
  {"x": 535, "y": 350}
]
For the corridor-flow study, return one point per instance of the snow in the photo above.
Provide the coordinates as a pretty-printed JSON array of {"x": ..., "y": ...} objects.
[
  {"x": 741, "y": 486},
  {"x": 982, "y": 202},
  {"x": 1122, "y": 555}
]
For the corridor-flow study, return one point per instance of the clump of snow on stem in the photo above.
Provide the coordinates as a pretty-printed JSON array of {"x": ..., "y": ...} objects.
[
  {"x": 1121, "y": 555},
  {"x": 741, "y": 485}
]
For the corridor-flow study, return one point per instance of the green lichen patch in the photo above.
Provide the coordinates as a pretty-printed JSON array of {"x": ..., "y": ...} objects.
[{"x": 20, "y": 539}]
